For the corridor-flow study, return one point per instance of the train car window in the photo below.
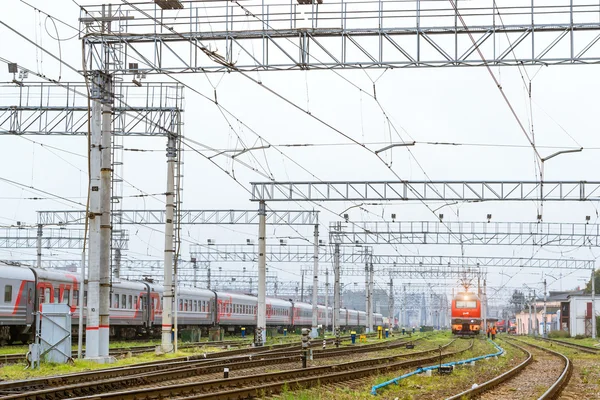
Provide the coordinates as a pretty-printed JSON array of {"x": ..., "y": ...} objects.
[
  {"x": 67, "y": 296},
  {"x": 129, "y": 305},
  {"x": 29, "y": 296},
  {"x": 180, "y": 305},
  {"x": 466, "y": 304},
  {"x": 56, "y": 295},
  {"x": 76, "y": 297},
  {"x": 195, "y": 305},
  {"x": 85, "y": 298},
  {"x": 124, "y": 301},
  {"x": 135, "y": 302},
  {"x": 116, "y": 303},
  {"x": 47, "y": 295},
  {"x": 7, "y": 294}
]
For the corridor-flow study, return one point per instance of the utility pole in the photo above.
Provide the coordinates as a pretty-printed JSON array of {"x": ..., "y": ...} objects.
[
  {"x": 336, "y": 284},
  {"x": 544, "y": 333},
  {"x": 371, "y": 299},
  {"x": 117, "y": 271},
  {"x": 195, "y": 266},
  {"x": 39, "y": 245},
  {"x": 80, "y": 305},
  {"x": 92, "y": 338},
  {"x": 593, "y": 303},
  {"x": 535, "y": 320},
  {"x": 326, "y": 301},
  {"x": 315, "y": 289},
  {"x": 262, "y": 265},
  {"x": 168, "y": 284},
  {"x": 530, "y": 321},
  {"x": 302, "y": 286},
  {"x": 484, "y": 304},
  {"x": 367, "y": 300},
  {"x": 391, "y": 304}
]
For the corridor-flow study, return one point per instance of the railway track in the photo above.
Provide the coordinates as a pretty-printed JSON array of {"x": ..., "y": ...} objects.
[
  {"x": 118, "y": 351},
  {"x": 105, "y": 381},
  {"x": 542, "y": 368},
  {"x": 585, "y": 349},
  {"x": 264, "y": 383}
]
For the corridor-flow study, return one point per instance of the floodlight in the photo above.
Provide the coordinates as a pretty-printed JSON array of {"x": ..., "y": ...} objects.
[
  {"x": 210, "y": 241},
  {"x": 441, "y": 216},
  {"x": 12, "y": 68}
]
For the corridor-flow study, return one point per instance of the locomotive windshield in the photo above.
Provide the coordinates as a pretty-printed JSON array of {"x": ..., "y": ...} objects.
[{"x": 466, "y": 304}]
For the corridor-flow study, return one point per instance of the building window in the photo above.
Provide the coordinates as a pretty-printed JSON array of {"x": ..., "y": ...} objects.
[{"x": 7, "y": 294}]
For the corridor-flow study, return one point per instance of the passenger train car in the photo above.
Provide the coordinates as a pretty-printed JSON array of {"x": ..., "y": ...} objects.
[
  {"x": 136, "y": 307},
  {"x": 466, "y": 314}
]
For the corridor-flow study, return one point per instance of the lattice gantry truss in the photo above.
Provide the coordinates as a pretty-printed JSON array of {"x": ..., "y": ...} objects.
[{"x": 286, "y": 35}]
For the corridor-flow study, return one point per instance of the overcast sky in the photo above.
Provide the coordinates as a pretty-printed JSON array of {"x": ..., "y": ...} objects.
[{"x": 454, "y": 105}]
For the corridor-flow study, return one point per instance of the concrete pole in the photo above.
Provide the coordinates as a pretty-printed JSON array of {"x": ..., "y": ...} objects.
[
  {"x": 40, "y": 229},
  {"x": 371, "y": 299},
  {"x": 367, "y": 300},
  {"x": 262, "y": 274},
  {"x": 315, "y": 292},
  {"x": 302, "y": 287},
  {"x": 80, "y": 307},
  {"x": 593, "y": 303},
  {"x": 326, "y": 300},
  {"x": 208, "y": 278},
  {"x": 117, "y": 271},
  {"x": 535, "y": 321},
  {"x": 544, "y": 333},
  {"x": 176, "y": 303},
  {"x": 391, "y": 304},
  {"x": 336, "y": 288},
  {"x": 168, "y": 295},
  {"x": 529, "y": 321},
  {"x": 93, "y": 296},
  {"x": 484, "y": 305}
]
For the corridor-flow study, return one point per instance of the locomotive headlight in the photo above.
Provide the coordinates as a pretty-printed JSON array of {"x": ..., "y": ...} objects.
[{"x": 472, "y": 321}]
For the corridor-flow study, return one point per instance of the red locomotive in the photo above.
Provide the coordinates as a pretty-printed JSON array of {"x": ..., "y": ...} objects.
[{"x": 466, "y": 314}]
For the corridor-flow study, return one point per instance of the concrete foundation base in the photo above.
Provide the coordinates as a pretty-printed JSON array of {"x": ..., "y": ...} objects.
[{"x": 101, "y": 360}]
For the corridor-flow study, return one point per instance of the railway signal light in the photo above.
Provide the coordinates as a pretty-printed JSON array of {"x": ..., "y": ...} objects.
[{"x": 305, "y": 345}]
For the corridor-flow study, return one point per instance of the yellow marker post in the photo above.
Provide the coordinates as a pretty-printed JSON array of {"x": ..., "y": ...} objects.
[{"x": 379, "y": 332}]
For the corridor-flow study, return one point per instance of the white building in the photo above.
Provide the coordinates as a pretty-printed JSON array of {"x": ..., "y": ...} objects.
[{"x": 577, "y": 314}]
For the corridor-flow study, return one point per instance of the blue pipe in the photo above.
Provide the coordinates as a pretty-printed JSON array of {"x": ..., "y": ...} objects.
[{"x": 423, "y": 369}]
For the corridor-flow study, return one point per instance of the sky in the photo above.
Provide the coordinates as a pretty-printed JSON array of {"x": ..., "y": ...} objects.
[{"x": 462, "y": 106}]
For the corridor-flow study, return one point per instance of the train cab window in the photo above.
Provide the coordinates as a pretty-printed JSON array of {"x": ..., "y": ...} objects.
[
  {"x": 75, "y": 297},
  {"x": 466, "y": 304},
  {"x": 7, "y": 294},
  {"x": 56, "y": 295},
  {"x": 67, "y": 296},
  {"x": 116, "y": 302},
  {"x": 129, "y": 304}
]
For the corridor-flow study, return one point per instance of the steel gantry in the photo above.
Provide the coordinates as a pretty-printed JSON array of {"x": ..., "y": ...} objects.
[
  {"x": 189, "y": 217},
  {"x": 11, "y": 238},
  {"x": 471, "y": 233},
  {"x": 267, "y": 35},
  {"x": 474, "y": 191},
  {"x": 62, "y": 109}
]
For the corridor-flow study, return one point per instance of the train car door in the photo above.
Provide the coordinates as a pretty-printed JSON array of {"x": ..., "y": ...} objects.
[
  {"x": 29, "y": 302},
  {"x": 144, "y": 307}
]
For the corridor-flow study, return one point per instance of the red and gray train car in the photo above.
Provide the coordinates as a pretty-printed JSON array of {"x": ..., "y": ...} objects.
[{"x": 136, "y": 307}]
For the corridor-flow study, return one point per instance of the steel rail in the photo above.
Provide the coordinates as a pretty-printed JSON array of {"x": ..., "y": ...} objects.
[
  {"x": 179, "y": 371},
  {"x": 585, "y": 349},
  {"x": 554, "y": 391},
  {"x": 311, "y": 375},
  {"x": 483, "y": 387},
  {"x": 145, "y": 368}
]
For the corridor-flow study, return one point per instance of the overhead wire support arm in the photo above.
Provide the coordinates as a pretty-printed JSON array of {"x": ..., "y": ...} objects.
[{"x": 474, "y": 191}]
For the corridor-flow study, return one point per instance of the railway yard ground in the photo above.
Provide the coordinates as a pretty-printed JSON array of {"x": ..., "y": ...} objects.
[{"x": 347, "y": 372}]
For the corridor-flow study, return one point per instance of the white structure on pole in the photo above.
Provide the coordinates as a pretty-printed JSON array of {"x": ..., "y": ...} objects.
[
  {"x": 261, "y": 320},
  {"x": 105, "y": 220},
  {"x": 315, "y": 291},
  {"x": 95, "y": 212},
  {"x": 326, "y": 328},
  {"x": 594, "y": 303},
  {"x": 168, "y": 288}
]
